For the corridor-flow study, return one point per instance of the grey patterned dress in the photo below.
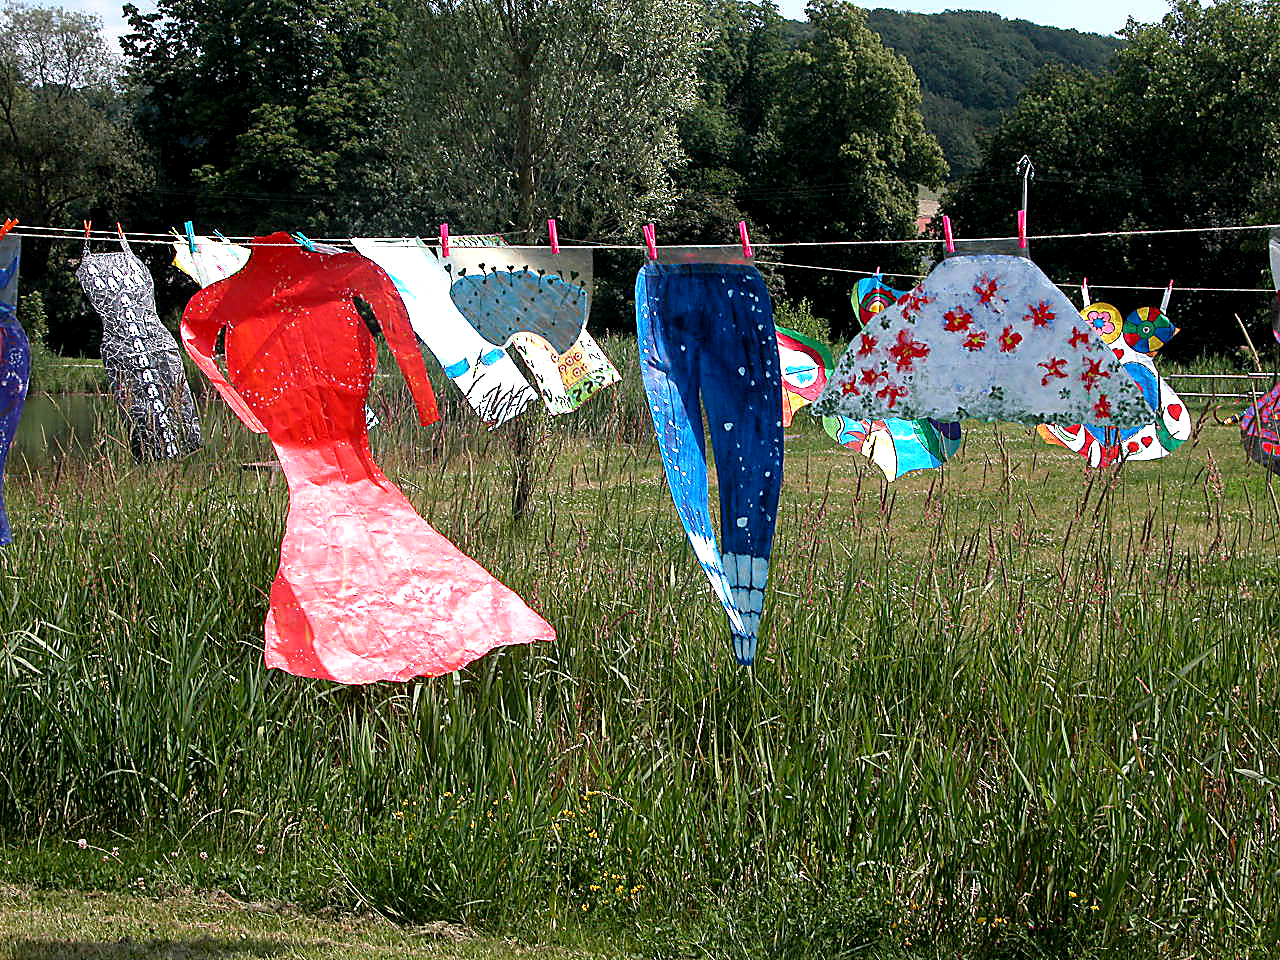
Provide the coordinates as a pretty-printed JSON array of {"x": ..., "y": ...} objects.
[{"x": 140, "y": 355}]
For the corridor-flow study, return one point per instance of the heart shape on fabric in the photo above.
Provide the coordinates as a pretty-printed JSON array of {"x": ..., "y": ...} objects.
[
  {"x": 1146, "y": 441},
  {"x": 1119, "y": 353},
  {"x": 1175, "y": 410}
]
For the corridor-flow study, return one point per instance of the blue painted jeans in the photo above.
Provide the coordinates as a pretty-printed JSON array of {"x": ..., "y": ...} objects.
[{"x": 706, "y": 339}]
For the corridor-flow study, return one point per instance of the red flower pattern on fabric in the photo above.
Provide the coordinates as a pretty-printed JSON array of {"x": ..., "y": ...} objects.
[
  {"x": 1078, "y": 337},
  {"x": 1093, "y": 372},
  {"x": 1102, "y": 409},
  {"x": 914, "y": 302},
  {"x": 907, "y": 350},
  {"x": 987, "y": 289},
  {"x": 1009, "y": 340},
  {"x": 870, "y": 376},
  {"x": 958, "y": 319},
  {"x": 850, "y": 387},
  {"x": 1040, "y": 315},
  {"x": 976, "y": 340},
  {"x": 891, "y": 393},
  {"x": 868, "y": 345},
  {"x": 1054, "y": 368}
]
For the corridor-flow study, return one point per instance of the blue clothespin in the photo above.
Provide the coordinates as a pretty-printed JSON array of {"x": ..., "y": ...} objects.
[
  {"x": 191, "y": 235},
  {"x": 304, "y": 241},
  {"x": 218, "y": 234}
]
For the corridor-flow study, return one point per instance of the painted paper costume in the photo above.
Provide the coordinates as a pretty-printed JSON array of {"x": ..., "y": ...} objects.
[
  {"x": 502, "y": 291},
  {"x": 15, "y": 363},
  {"x": 481, "y": 369},
  {"x": 987, "y": 337},
  {"x": 140, "y": 356},
  {"x": 896, "y": 446},
  {"x": 211, "y": 260},
  {"x": 706, "y": 339},
  {"x": 566, "y": 380},
  {"x": 1260, "y": 430},
  {"x": 871, "y": 295},
  {"x": 366, "y": 590},
  {"x": 1133, "y": 342}
]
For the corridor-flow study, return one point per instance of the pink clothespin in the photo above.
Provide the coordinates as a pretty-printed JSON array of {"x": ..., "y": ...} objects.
[
  {"x": 651, "y": 240},
  {"x": 1022, "y": 229},
  {"x": 8, "y": 225},
  {"x": 553, "y": 236},
  {"x": 1164, "y": 303},
  {"x": 946, "y": 234},
  {"x": 746, "y": 239},
  {"x": 119, "y": 229},
  {"x": 444, "y": 239},
  {"x": 1084, "y": 293}
]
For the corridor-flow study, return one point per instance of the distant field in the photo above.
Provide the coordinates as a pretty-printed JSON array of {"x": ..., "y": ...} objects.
[{"x": 1011, "y": 708}]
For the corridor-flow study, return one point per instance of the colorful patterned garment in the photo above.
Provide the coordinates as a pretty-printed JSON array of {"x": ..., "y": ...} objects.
[
  {"x": 482, "y": 370},
  {"x": 871, "y": 296},
  {"x": 987, "y": 337},
  {"x": 1133, "y": 342},
  {"x": 15, "y": 363},
  {"x": 366, "y": 590},
  {"x": 140, "y": 356},
  {"x": 566, "y": 380},
  {"x": 896, "y": 446},
  {"x": 1260, "y": 430},
  {"x": 706, "y": 339},
  {"x": 211, "y": 260}
]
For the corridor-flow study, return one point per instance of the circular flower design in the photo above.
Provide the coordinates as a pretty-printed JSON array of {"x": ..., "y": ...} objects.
[
  {"x": 1146, "y": 330},
  {"x": 1106, "y": 320}
]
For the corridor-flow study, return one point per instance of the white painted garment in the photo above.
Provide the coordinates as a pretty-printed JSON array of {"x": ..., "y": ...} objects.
[{"x": 487, "y": 377}]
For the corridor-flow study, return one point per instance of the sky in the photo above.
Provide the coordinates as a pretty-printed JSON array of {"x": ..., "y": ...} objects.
[{"x": 1095, "y": 16}]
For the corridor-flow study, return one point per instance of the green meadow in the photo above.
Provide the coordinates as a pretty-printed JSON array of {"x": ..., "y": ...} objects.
[{"x": 1011, "y": 708}]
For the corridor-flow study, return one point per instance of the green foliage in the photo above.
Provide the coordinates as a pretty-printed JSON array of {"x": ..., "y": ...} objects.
[
  {"x": 821, "y": 139},
  {"x": 1185, "y": 132},
  {"x": 973, "y": 66},
  {"x": 35, "y": 321},
  {"x": 67, "y": 147},
  {"x": 517, "y": 110},
  {"x": 799, "y": 316},
  {"x": 265, "y": 115}
]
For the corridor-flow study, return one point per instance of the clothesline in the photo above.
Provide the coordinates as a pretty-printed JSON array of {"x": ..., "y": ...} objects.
[
  {"x": 71, "y": 233},
  {"x": 166, "y": 239}
]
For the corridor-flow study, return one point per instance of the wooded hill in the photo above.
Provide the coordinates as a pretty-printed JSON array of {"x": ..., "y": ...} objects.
[{"x": 973, "y": 65}]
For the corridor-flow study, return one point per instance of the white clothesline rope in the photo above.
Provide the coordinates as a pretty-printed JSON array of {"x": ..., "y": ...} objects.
[{"x": 459, "y": 241}]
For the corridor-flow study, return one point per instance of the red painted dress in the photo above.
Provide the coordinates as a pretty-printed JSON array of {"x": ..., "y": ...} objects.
[{"x": 367, "y": 590}]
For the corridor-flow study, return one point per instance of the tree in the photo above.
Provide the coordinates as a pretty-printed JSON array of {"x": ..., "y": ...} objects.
[
  {"x": 266, "y": 113},
  {"x": 1184, "y": 133},
  {"x": 66, "y": 145},
  {"x": 851, "y": 152},
  {"x": 516, "y": 110}
]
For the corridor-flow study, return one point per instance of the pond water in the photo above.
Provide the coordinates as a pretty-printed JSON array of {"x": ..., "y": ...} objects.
[{"x": 54, "y": 425}]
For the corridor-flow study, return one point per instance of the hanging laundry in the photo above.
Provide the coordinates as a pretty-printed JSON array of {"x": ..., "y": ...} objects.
[
  {"x": 487, "y": 377},
  {"x": 15, "y": 363},
  {"x": 897, "y": 447},
  {"x": 1133, "y": 342},
  {"x": 871, "y": 296},
  {"x": 1273, "y": 248},
  {"x": 140, "y": 356},
  {"x": 706, "y": 338},
  {"x": 503, "y": 291},
  {"x": 1260, "y": 423},
  {"x": 987, "y": 337},
  {"x": 211, "y": 260},
  {"x": 366, "y": 590},
  {"x": 566, "y": 380}
]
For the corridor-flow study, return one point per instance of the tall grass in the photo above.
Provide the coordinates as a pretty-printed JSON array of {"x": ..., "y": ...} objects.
[{"x": 1011, "y": 708}]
